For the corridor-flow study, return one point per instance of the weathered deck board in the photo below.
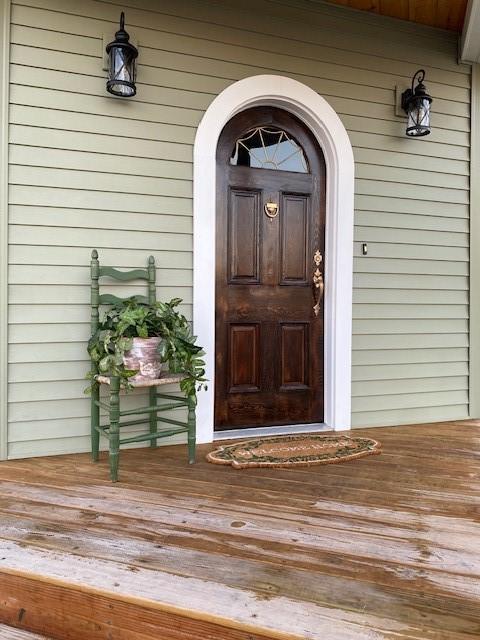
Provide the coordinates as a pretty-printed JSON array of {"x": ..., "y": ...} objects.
[
  {"x": 383, "y": 547},
  {"x": 11, "y": 633}
]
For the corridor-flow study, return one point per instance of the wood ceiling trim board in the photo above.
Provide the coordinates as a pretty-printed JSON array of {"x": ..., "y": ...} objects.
[
  {"x": 443, "y": 14},
  {"x": 394, "y": 9}
]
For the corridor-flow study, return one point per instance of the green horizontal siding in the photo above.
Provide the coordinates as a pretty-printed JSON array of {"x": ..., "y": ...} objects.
[{"x": 86, "y": 169}]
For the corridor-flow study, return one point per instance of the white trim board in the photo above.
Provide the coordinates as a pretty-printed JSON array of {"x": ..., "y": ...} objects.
[
  {"x": 318, "y": 115},
  {"x": 4, "y": 100},
  {"x": 284, "y": 429},
  {"x": 469, "y": 46},
  {"x": 474, "y": 308}
]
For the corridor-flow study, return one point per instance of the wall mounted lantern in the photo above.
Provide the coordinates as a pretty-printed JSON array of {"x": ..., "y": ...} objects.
[
  {"x": 121, "y": 63},
  {"x": 416, "y": 103}
]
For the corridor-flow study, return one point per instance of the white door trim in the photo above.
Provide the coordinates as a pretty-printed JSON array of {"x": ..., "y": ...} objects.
[{"x": 327, "y": 127}]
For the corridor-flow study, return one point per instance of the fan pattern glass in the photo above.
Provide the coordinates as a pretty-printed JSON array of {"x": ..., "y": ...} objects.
[{"x": 269, "y": 148}]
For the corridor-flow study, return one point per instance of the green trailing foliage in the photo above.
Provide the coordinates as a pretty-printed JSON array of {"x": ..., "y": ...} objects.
[{"x": 130, "y": 319}]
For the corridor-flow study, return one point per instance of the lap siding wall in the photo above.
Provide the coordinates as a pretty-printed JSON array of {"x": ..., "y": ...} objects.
[{"x": 88, "y": 170}]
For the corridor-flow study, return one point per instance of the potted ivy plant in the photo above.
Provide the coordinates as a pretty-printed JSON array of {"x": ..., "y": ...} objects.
[{"x": 134, "y": 341}]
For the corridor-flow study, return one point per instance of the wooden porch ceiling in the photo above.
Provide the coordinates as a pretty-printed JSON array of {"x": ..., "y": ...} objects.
[
  {"x": 445, "y": 14},
  {"x": 381, "y": 547}
]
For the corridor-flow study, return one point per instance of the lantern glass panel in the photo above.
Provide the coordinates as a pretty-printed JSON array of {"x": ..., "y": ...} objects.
[
  {"x": 419, "y": 118},
  {"x": 122, "y": 72}
]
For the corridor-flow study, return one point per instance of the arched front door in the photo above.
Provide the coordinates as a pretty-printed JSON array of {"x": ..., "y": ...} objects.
[{"x": 270, "y": 230}]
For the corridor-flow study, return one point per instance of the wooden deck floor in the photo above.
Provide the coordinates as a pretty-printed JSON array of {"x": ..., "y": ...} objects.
[
  {"x": 11, "y": 633},
  {"x": 385, "y": 547}
]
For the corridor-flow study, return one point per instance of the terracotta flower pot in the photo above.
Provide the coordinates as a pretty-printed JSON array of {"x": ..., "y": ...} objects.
[{"x": 144, "y": 356}]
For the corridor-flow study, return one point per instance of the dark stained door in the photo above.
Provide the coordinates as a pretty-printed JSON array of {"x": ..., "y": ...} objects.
[{"x": 269, "y": 277}]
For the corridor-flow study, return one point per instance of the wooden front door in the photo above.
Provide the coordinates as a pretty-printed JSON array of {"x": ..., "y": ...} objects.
[{"x": 269, "y": 277}]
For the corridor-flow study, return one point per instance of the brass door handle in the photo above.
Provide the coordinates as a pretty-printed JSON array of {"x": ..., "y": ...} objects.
[{"x": 318, "y": 284}]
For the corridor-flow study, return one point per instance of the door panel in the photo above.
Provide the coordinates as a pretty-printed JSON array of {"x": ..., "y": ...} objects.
[
  {"x": 244, "y": 358},
  {"x": 294, "y": 231},
  {"x": 295, "y": 356},
  {"x": 244, "y": 238},
  {"x": 269, "y": 342}
]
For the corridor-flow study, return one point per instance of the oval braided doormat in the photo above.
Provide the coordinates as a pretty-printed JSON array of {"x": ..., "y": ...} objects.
[{"x": 293, "y": 451}]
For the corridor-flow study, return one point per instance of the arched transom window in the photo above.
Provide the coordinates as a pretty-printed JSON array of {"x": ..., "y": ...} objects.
[{"x": 269, "y": 148}]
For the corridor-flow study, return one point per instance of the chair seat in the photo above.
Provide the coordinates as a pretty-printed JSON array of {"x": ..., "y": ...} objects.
[{"x": 168, "y": 378}]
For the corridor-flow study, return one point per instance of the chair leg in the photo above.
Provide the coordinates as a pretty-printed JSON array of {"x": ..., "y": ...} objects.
[
  {"x": 153, "y": 415},
  {"x": 192, "y": 401},
  {"x": 114, "y": 431},
  {"x": 95, "y": 421}
]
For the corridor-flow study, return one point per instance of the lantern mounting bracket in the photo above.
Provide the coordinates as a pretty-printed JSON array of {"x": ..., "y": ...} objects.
[{"x": 408, "y": 94}]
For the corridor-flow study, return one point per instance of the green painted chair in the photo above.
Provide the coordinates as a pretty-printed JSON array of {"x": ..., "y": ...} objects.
[{"x": 158, "y": 402}]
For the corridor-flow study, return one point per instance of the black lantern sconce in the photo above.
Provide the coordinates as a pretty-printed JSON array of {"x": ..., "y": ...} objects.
[
  {"x": 416, "y": 103},
  {"x": 122, "y": 57}
]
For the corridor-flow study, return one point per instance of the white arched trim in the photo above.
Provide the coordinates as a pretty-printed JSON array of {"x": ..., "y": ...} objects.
[{"x": 325, "y": 124}]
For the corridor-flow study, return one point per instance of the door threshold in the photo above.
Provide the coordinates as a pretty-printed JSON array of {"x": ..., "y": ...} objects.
[{"x": 284, "y": 429}]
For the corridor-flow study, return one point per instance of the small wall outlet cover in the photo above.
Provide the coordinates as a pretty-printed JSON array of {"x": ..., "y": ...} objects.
[{"x": 106, "y": 39}]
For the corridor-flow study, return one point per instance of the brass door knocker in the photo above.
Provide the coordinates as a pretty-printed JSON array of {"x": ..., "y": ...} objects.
[{"x": 271, "y": 209}]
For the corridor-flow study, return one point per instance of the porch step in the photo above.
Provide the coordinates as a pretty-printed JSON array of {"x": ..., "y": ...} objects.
[
  {"x": 59, "y": 606},
  {"x": 11, "y": 633}
]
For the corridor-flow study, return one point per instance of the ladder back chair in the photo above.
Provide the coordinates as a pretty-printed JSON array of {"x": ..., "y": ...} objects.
[{"x": 158, "y": 402}]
